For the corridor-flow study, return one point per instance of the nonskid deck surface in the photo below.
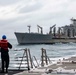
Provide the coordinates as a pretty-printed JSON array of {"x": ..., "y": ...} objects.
[{"x": 12, "y": 72}]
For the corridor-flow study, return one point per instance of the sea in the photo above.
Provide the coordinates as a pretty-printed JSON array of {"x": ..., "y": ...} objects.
[
  {"x": 54, "y": 51},
  {"x": 57, "y": 50}
]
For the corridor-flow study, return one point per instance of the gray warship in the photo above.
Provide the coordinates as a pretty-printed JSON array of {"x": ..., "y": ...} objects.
[
  {"x": 34, "y": 38},
  {"x": 64, "y": 34}
]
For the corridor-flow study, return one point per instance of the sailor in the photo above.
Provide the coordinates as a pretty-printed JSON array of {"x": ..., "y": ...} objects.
[{"x": 4, "y": 45}]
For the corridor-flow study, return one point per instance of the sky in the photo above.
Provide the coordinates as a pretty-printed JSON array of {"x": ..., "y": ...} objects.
[{"x": 16, "y": 15}]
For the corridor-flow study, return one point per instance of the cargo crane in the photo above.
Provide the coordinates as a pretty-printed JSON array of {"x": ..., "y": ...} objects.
[
  {"x": 53, "y": 30},
  {"x": 40, "y": 28},
  {"x": 59, "y": 32},
  {"x": 29, "y": 28}
]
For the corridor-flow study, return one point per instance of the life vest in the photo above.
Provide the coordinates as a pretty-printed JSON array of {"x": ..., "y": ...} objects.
[{"x": 4, "y": 44}]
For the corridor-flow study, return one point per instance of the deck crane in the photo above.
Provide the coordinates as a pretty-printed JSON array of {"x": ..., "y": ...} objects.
[
  {"x": 29, "y": 28},
  {"x": 51, "y": 28},
  {"x": 54, "y": 31},
  {"x": 59, "y": 32},
  {"x": 40, "y": 28}
]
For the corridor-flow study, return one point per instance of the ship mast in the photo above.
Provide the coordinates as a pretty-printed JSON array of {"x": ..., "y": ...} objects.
[{"x": 29, "y": 28}]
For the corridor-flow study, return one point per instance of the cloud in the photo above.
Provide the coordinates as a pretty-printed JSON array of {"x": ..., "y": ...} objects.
[
  {"x": 15, "y": 15},
  {"x": 30, "y": 7},
  {"x": 8, "y": 2}
]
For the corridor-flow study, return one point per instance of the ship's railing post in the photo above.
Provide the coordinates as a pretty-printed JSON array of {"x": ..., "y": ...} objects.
[
  {"x": 46, "y": 58},
  {"x": 42, "y": 62},
  {"x": 43, "y": 57},
  {"x": 27, "y": 58},
  {"x": 22, "y": 59},
  {"x": 30, "y": 58}
]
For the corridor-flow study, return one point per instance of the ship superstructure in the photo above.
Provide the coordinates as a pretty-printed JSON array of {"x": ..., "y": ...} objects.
[{"x": 69, "y": 31}]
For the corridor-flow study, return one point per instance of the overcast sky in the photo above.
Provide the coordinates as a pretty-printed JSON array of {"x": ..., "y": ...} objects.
[{"x": 15, "y": 15}]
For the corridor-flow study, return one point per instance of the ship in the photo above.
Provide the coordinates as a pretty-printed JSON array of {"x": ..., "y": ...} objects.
[
  {"x": 64, "y": 34},
  {"x": 34, "y": 38}
]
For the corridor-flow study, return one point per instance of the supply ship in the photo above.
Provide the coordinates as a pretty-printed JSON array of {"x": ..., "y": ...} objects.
[
  {"x": 33, "y": 38},
  {"x": 64, "y": 34}
]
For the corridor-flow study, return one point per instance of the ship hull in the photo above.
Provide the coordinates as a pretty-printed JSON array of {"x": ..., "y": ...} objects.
[{"x": 33, "y": 38}]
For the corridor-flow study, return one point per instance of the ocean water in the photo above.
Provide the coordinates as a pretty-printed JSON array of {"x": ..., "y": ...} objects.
[
  {"x": 54, "y": 51},
  {"x": 57, "y": 50}
]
